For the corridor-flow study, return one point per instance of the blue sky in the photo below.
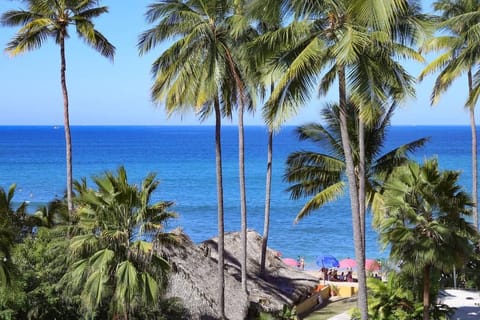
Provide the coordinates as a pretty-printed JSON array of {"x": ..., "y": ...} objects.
[{"x": 106, "y": 93}]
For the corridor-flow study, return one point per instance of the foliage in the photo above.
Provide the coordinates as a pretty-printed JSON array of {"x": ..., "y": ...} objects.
[
  {"x": 320, "y": 174},
  {"x": 41, "y": 262},
  {"x": 423, "y": 222},
  {"x": 287, "y": 313},
  {"x": 14, "y": 225},
  {"x": 391, "y": 300},
  {"x": 423, "y": 213},
  {"x": 113, "y": 263}
]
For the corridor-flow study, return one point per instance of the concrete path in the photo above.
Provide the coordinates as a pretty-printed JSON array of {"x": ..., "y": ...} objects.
[
  {"x": 466, "y": 302},
  {"x": 341, "y": 316}
]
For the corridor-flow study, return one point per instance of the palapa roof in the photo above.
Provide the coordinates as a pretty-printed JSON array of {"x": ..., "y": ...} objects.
[{"x": 194, "y": 277}]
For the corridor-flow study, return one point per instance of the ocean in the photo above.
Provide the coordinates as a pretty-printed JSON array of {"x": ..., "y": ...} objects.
[{"x": 183, "y": 157}]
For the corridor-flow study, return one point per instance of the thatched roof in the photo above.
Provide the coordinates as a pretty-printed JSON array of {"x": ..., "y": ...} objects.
[{"x": 194, "y": 278}]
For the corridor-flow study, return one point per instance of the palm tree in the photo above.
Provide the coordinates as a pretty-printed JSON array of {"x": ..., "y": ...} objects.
[
  {"x": 357, "y": 40},
  {"x": 460, "y": 55},
  {"x": 268, "y": 15},
  {"x": 197, "y": 71},
  {"x": 113, "y": 254},
  {"x": 321, "y": 176},
  {"x": 422, "y": 221},
  {"x": 240, "y": 33},
  {"x": 46, "y": 19}
]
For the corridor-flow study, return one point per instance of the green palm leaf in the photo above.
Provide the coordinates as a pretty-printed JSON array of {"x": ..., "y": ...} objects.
[
  {"x": 111, "y": 257},
  {"x": 128, "y": 286}
]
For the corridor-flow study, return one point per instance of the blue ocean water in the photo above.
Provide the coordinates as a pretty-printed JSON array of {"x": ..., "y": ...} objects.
[{"x": 183, "y": 158}]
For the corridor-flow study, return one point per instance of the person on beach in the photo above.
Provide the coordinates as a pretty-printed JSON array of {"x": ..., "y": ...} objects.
[
  {"x": 302, "y": 263},
  {"x": 349, "y": 276},
  {"x": 324, "y": 273},
  {"x": 330, "y": 275}
]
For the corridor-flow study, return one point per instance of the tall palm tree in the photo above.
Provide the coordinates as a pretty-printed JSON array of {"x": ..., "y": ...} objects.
[
  {"x": 268, "y": 15},
  {"x": 45, "y": 19},
  {"x": 357, "y": 41},
  {"x": 423, "y": 221},
  {"x": 461, "y": 47},
  {"x": 240, "y": 34},
  {"x": 321, "y": 176},
  {"x": 113, "y": 255},
  {"x": 197, "y": 71}
]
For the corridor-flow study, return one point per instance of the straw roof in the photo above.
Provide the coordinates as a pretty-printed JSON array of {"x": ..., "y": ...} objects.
[{"x": 194, "y": 278}]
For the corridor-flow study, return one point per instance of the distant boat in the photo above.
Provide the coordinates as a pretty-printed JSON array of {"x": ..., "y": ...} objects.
[{"x": 56, "y": 127}]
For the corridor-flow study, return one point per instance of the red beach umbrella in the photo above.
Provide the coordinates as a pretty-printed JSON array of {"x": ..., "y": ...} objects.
[
  {"x": 347, "y": 263},
  {"x": 290, "y": 262},
  {"x": 372, "y": 265}
]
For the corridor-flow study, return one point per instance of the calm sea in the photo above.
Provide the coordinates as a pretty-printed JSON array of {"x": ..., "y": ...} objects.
[{"x": 183, "y": 159}]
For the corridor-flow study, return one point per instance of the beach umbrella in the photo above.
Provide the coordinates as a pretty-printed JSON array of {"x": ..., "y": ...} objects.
[
  {"x": 327, "y": 261},
  {"x": 290, "y": 262},
  {"x": 372, "y": 265},
  {"x": 347, "y": 263}
]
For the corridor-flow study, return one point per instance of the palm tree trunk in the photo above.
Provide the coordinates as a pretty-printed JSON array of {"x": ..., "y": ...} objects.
[
  {"x": 354, "y": 201},
  {"x": 220, "y": 211},
  {"x": 473, "y": 128},
  {"x": 426, "y": 292},
  {"x": 238, "y": 8},
  {"x": 361, "y": 180},
  {"x": 243, "y": 196},
  {"x": 268, "y": 189},
  {"x": 66, "y": 121},
  {"x": 474, "y": 168}
]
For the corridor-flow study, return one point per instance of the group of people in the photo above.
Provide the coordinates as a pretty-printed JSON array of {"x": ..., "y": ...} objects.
[{"x": 333, "y": 275}]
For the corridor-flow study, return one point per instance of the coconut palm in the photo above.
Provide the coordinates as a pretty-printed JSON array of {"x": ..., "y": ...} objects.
[
  {"x": 45, "y": 19},
  {"x": 268, "y": 15},
  {"x": 321, "y": 176},
  {"x": 460, "y": 45},
  {"x": 357, "y": 41},
  {"x": 423, "y": 222},
  {"x": 113, "y": 256},
  {"x": 240, "y": 34},
  {"x": 197, "y": 70}
]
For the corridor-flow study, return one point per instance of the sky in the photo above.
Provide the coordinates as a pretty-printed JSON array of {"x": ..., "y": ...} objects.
[{"x": 102, "y": 92}]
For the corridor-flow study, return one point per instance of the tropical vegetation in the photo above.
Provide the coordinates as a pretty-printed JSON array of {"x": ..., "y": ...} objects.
[
  {"x": 113, "y": 259},
  {"x": 319, "y": 174},
  {"x": 423, "y": 221},
  {"x": 94, "y": 254},
  {"x": 101, "y": 264}
]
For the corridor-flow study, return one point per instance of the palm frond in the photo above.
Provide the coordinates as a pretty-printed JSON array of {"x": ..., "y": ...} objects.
[{"x": 328, "y": 194}]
